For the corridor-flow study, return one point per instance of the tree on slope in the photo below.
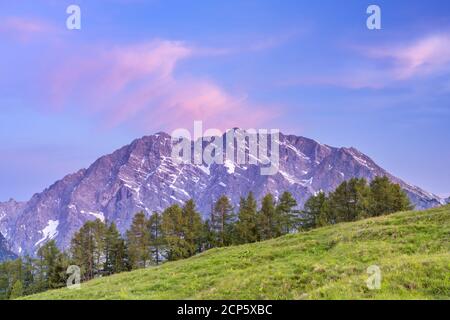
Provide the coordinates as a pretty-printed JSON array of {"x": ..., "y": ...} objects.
[
  {"x": 269, "y": 225},
  {"x": 222, "y": 221},
  {"x": 350, "y": 200},
  {"x": 316, "y": 212},
  {"x": 116, "y": 259},
  {"x": 156, "y": 237},
  {"x": 288, "y": 218},
  {"x": 193, "y": 228},
  {"x": 88, "y": 249},
  {"x": 387, "y": 197},
  {"x": 172, "y": 227},
  {"x": 138, "y": 242},
  {"x": 247, "y": 224}
]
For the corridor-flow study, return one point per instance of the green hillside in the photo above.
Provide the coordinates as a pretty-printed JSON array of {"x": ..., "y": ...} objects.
[{"x": 411, "y": 248}]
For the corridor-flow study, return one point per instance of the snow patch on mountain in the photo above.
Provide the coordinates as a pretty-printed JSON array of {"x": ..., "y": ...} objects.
[{"x": 49, "y": 232}]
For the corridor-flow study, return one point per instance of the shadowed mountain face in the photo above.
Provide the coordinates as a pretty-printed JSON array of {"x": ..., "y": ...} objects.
[
  {"x": 5, "y": 254},
  {"x": 143, "y": 176}
]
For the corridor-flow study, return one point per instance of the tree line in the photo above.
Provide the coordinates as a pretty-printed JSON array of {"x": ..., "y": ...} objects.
[{"x": 179, "y": 232}]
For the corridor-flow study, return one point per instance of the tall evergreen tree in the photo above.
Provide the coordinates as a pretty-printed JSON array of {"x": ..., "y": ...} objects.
[
  {"x": 192, "y": 225},
  {"x": 17, "y": 290},
  {"x": 156, "y": 237},
  {"x": 386, "y": 197},
  {"x": 138, "y": 242},
  {"x": 288, "y": 218},
  {"x": 316, "y": 212},
  {"x": 51, "y": 266},
  {"x": 29, "y": 272},
  {"x": 222, "y": 221},
  {"x": 247, "y": 224},
  {"x": 88, "y": 249},
  {"x": 350, "y": 200},
  {"x": 116, "y": 259},
  {"x": 172, "y": 227},
  {"x": 208, "y": 236},
  {"x": 268, "y": 220}
]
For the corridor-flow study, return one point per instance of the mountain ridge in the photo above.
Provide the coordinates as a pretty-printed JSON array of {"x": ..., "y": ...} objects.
[{"x": 143, "y": 176}]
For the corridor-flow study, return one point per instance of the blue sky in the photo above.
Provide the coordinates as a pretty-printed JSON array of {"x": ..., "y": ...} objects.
[{"x": 136, "y": 67}]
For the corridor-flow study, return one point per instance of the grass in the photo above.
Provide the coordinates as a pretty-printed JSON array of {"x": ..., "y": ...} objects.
[{"x": 411, "y": 248}]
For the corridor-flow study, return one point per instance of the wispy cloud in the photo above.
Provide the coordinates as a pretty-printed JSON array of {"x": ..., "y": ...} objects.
[
  {"x": 24, "y": 29},
  {"x": 138, "y": 84},
  {"x": 425, "y": 56},
  {"x": 384, "y": 65}
]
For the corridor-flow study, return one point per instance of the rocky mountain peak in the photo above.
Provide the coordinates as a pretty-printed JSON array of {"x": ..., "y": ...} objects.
[{"x": 142, "y": 176}]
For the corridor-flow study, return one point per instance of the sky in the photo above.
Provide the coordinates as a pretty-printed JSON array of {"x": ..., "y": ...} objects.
[{"x": 136, "y": 67}]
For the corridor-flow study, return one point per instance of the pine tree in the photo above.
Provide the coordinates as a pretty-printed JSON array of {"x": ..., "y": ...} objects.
[
  {"x": 172, "y": 227},
  {"x": 51, "y": 266},
  {"x": 287, "y": 216},
  {"x": 350, "y": 200},
  {"x": 247, "y": 224},
  {"x": 208, "y": 236},
  {"x": 116, "y": 259},
  {"x": 88, "y": 249},
  {"x": 268, "y": 220},
  {"x": 192, "y": 225},
  {"x": 29, "y": 280},
  {"x": 386, "y": 197},
  {"x": 156, "y": 237},
  {"x": 17, "y": 290},
  {"x": 316, "y": 212},
  {"x": 138, "y": 242},
  {"x": 222, "y": 221}
]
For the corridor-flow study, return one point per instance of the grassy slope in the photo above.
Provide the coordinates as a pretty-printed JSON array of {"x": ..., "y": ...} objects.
[{"x": 411, "y": 248}]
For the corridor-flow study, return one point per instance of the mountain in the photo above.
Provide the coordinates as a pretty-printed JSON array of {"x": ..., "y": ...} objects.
[
  {"x": 324, "y": 263},
  {"x": 143, "y": 176},
  {"x": 5, "y": 254}
]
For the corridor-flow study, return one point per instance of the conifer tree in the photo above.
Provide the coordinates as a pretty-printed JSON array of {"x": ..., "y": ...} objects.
[
  {"x": 88, "y": 249},
  {"x": 156, "y": 237},
  {"x": 222, "y": 221},
  {"x": 386, "y": 197},
  {"x": 138, "y": 242},
  {"x": 287, "y": 216},
  {"x": 247, "y": 224},
  {"x": 17, "y": 290},
  {"x": 192, "y": 228},
  {"x": 350, "y": 200},
  {"x": 51, "y": 264},
  {"x": 268, "y": 220},
  {"x": 208, "y": 236},
  {"x": 316, "y": 212},
  {"x": 172, "y": 227},
  {"x": 116, "y": 259}
]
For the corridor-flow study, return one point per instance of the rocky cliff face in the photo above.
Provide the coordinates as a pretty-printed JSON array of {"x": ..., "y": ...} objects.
[
  {"x": 5, "y": 253},
  {"x": 143, "y": 176}
]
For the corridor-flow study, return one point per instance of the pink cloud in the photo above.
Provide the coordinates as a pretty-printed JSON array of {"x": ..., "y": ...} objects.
[
  {"x": 424, "y": 56},
  {"x": 24, "y": 29},
  {"x": 138, "y": 84}
]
